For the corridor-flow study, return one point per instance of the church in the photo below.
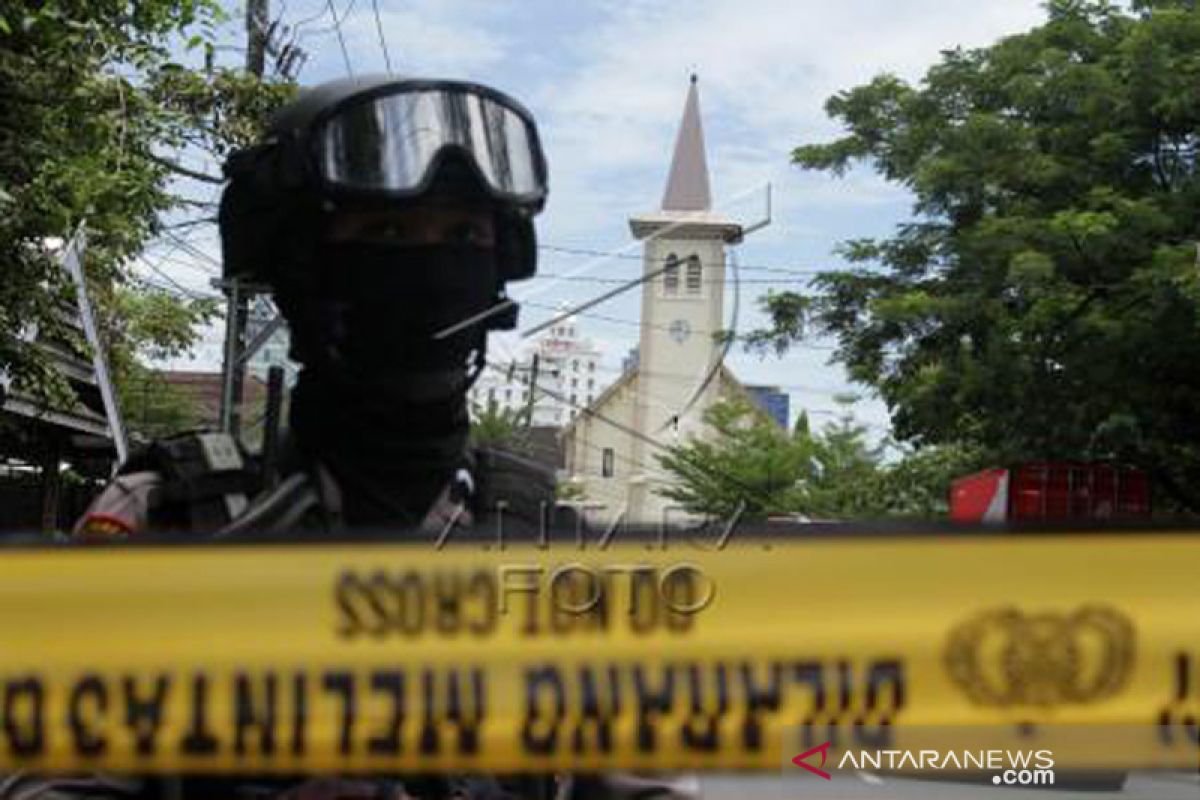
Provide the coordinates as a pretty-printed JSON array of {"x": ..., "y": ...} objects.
[{"x": 611, "y": 448}]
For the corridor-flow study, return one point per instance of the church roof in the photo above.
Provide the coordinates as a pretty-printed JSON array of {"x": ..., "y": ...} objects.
[
  {"x": 687, "y": 182},
  {"x": 631, "y": 376}
]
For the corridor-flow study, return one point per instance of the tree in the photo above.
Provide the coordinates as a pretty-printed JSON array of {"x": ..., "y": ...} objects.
[
  {"x": 848, "y": 470},
  {"x": 156, "y": 325},
  {"x": 744, "y": 464},
  {"x": 1042, "y": 302},
  {"x": 748, "y": 464},
  {"x": 495, "y": 426},
  {"x": 93, "y": 114}
]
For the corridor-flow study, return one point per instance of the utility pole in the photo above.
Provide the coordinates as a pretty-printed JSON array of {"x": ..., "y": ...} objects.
[
  {"x": 529, "y": 400},
  {"x": 257, "y": 13},
  {"x": 237, "y": 298}
]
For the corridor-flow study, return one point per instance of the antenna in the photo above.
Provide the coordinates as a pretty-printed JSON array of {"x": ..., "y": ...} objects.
[{"x": 763, "y": 222}]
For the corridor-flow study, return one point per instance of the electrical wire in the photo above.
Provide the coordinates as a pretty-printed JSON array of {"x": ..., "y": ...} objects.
[
  {"x": 593, "y": 414},
  {"x": 387, "y": 57},
  {"x": 653, "y": 326},
  {"x": 591, "y": 253},
  {"x": 337, "y": 27}
]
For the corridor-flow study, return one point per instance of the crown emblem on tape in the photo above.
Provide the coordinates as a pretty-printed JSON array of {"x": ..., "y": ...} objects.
[{"x": 1004, "y": 657}]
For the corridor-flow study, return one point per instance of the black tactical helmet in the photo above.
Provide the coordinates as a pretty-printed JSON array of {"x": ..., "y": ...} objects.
[{"x": 381, "y": 142}]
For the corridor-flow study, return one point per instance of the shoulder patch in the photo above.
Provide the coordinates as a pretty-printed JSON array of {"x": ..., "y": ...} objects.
[
  {"x": 100, "y": 526},
  {"x": 121, "y": 510}
]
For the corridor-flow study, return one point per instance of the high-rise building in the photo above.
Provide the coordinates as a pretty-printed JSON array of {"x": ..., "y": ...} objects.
[
  {"x": 772, "y": 400},
  {"x": 555, "y": 377}
]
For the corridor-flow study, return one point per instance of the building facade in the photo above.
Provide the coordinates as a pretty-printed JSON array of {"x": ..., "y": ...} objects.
[
  {"x": 611, "y": 452},
  {"x": 560, "y": 363},
  {"x": 774, "y": 401}
]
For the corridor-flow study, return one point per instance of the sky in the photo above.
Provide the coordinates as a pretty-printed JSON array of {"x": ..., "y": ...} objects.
[{"x": 606, "y": 82}]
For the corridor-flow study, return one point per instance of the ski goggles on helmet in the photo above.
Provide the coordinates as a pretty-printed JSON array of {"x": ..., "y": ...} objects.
[{"x": 390, "y": 140}]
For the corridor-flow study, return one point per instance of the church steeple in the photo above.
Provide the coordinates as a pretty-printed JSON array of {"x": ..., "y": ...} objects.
[{"x": 687, "y": 182}]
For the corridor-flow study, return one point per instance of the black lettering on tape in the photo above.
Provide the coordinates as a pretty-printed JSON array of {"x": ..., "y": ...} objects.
[
  {"x": 466, "y": 708},
  {"x": 199, "y": 739},
  {"x": 375, "y": 595},
  {"x": 1181, "y": 709},
  {"x": 342, "y": 684},
  {"x": 24, "y": 716},
  {"x": 86, "y": 707},
  {"x": 391, "y": 685},
  {"x": 812, "y": 674},
  {"x": 345, "y": 593},
  {"x": 543, "y": 687},
  {"x": 600, "y": 708},
  {"x": 299, "y": 713},
  {"x": 702, "y": 728},
  {"x": 144, "y": 712},
  {"x": 427, "y": 742},
  {"x": 760, "y": 699},
  {"x": 254, "y": 709},
  {"x": 651, "y": 704},
  {"x": 844, "y": 687},
  {"x": 884, "y": 677}
]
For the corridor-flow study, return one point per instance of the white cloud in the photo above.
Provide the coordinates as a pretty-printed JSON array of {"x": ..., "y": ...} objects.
[{"x": 607, "y": 81}]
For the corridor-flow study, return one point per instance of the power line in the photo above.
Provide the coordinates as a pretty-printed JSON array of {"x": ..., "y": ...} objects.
[
  {"x": 174, "y": 287},
  {"x": 594, "y": 279},
  {"x": 638, "y": 324},
  {"x": 337, "y": 27},
  {"x": 582, "y": 251},
  {"x": 387, "y": 57},
  {"x": 681, "y": 453},
  {"x": 191, "y": 249}
]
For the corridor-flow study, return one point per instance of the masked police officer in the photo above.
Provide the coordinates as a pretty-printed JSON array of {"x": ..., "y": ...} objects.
[{"x": 387, "y": 216}]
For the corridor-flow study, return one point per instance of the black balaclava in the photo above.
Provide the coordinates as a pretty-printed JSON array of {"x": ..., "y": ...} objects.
[{"x": 383, "y": 404}]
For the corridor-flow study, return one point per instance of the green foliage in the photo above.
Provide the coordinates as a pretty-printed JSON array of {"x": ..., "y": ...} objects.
[
  {"x": 152, "y": 407},
  {"x": 92, "y": 113},
  {"x": 154, "y": 324},
  {"x": 745, "y": 462},
  {"x": 498, "y": 427},
  {"x": 1042, "y": 302}
]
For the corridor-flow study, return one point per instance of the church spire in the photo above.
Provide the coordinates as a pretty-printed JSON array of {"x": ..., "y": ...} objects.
[{"x": 687, "y": 183}]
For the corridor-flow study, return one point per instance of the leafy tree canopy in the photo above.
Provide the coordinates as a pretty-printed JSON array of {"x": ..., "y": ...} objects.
[
  {"x": 1042, "y": 301},
  {"x": 745, "y": 463},
  {"x": 94, "y": 114}
]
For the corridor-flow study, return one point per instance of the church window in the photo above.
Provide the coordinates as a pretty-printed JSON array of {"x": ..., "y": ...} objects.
[
  {"x": 671, "y": 275},
  {"x": 694, "y": 273},
  {"x": 591, "y": 366},
  {"x": 606, "y": 463}
]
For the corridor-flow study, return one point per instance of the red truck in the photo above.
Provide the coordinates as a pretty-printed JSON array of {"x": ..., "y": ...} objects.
[{"x": 1051, "y": 492}]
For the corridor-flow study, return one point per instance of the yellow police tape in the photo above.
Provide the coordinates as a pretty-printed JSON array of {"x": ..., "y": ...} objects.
[{"x": 396, "y": 658}]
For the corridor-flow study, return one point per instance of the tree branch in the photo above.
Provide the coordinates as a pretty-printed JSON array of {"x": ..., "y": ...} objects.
[{"x": 182, "y": 170}]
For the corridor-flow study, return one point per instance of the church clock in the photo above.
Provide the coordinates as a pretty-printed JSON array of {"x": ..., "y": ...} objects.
[{"x": 680, "y": 330}]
